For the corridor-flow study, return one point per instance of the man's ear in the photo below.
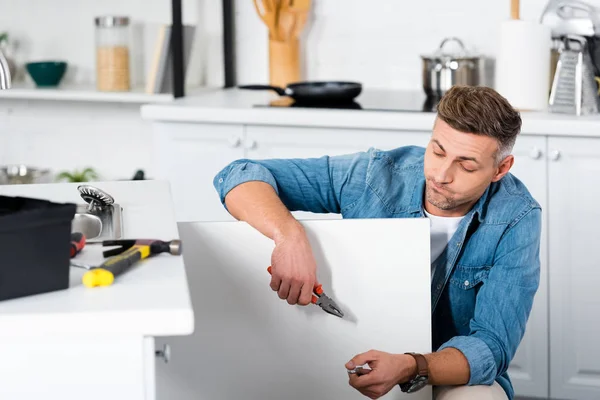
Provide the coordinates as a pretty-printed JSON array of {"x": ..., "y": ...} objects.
[{"x": 504, "y": 167}]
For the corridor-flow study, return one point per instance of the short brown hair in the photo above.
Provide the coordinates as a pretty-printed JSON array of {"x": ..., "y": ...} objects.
[{"x": 482, "y": 111}]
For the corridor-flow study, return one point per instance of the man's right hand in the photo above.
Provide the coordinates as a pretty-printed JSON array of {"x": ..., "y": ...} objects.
[{"x": 293, "y": 267}]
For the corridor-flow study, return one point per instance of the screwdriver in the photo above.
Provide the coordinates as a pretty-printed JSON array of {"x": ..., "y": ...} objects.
[
  {"x": 77, "y": 243},
  {"x": 123, "y": 258}
]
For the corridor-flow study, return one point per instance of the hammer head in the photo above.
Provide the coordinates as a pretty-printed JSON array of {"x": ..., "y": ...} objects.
[{"x": 173, "y": 247}]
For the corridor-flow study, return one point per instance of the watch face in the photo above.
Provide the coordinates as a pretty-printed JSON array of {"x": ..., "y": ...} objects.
[{"x": 417, "y": 384}]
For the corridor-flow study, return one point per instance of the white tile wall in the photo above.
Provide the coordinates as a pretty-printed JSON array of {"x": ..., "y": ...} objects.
[{"x": 377, "y": 42}]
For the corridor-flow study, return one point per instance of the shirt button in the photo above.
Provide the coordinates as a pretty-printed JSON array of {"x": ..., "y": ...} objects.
[
  {"x": 439, "y": 286},
  {"x": 458, "y": 244},
  {"x": 220, "y": 180},
  {"x": 466, "y": 283}
]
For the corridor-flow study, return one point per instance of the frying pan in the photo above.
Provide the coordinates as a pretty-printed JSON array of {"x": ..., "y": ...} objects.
[{"x": 316, "y": 91}]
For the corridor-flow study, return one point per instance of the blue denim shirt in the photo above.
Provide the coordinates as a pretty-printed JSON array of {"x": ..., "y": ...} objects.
[{"x": 485, "y": 280}]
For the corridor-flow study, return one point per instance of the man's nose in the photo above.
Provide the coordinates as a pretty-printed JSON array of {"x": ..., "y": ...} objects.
[{"x": 443, "y": 173}]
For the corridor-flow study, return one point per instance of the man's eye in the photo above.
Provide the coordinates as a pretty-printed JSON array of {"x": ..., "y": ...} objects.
[
  {"x": 438, "y": 154},
  {"x": 468, "y": 170}
]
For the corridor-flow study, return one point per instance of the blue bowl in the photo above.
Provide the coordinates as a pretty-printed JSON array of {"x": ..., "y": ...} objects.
[{"x": 46, "y": 73}]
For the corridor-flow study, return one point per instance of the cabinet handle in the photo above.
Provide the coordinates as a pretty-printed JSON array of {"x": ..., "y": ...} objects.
[
  {"x": 165, "y": 353},
  {"x": 235, "y": 141},
  {"x": 554, "y": 155},
  {"x": 251, "y": 144},
  {"x": 535, "y": 153}
]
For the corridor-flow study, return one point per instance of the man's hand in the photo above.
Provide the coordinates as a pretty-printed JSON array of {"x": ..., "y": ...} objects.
[
  {"x": 387, "y": 370},
  {"x": 293, "y": 266}
]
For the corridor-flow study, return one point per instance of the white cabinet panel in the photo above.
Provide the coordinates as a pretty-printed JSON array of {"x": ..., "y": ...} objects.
[
  {"x": 574, "y": 267},
  {"x": 251, "y": 345},
  {"x": 189, "y": 156},
  {"x": 74, "y": 367},
  {"x": 529, "y": 368}
]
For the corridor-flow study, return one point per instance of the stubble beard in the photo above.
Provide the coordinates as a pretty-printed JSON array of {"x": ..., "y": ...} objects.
[{"x": 439, "y": 200}]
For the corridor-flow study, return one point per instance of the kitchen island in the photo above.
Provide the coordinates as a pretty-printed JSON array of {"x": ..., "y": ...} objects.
[
  {"x": 556, "y": 156},
  {"x": 99, "y": 343}
]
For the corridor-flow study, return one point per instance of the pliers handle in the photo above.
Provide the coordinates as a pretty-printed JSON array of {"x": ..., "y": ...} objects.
[{"x": 322, "y": 300}]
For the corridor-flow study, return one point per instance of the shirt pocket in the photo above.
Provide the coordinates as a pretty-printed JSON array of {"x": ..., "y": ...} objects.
[
  {"x": 467, "y": 278},
  {"x": 464, "y": 284}
]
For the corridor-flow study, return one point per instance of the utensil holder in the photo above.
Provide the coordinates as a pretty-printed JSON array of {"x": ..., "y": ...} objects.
[
  {"x": 35, "y": 241},
  {"x": 284, "y": 62}
]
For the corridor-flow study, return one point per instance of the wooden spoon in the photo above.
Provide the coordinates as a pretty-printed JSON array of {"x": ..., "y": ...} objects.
[
  {"x": 514, "y": 9},
  {"x": 266, "y": 11}
]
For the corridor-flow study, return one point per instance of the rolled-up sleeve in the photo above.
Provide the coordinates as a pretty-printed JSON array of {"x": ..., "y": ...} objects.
[
  {"x": 503, "y": 302},
  {"x": 322, "y": 185}
]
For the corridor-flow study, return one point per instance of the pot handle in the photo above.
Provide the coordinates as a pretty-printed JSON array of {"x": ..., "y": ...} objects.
[
  {"x": 280, "y": 91},
  {"x": 453, "y": 39},
  {"x": 562, "y": 9}
]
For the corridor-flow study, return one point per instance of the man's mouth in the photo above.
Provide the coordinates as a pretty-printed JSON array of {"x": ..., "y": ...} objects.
[{"x": 438, "y": 188}]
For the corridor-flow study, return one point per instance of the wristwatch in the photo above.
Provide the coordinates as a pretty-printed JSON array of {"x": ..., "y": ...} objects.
[{"x": 421, "y": 379}]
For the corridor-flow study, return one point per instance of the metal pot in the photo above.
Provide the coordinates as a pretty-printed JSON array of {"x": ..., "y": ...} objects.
[
  {"x": 443, "y": 70},
  {"x": 23, "y": 174}
]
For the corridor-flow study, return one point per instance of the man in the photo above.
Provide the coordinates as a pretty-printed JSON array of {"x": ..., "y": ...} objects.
[{"x": 485, "y": 238}]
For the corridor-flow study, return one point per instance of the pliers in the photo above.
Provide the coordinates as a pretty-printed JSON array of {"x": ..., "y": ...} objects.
[{"x": 322, "y": 300}]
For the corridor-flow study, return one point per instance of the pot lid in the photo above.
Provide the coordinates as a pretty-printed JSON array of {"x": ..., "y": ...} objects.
[{"x": 443, "y": 53}]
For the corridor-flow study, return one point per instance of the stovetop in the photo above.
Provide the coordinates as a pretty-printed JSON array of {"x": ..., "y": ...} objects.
[{"x": 369, "y": 100}]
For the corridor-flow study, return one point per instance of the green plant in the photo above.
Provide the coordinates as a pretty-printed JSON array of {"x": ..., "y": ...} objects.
[{"x": 85, "y": 175}]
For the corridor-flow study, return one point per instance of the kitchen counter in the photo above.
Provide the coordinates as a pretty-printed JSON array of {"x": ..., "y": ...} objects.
[
  {"x": 151, "y": 299},
  {"x": 235, "y": 106}
]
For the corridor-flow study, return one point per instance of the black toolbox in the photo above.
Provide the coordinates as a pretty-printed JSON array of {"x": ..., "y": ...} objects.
[{"x": 34, "y": 246}]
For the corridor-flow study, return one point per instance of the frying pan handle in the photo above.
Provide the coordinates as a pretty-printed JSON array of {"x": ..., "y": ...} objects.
[{"x": 280, "y": 91}]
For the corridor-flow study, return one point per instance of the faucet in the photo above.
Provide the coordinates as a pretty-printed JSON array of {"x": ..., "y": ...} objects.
[{"x": 5, "y": 79}]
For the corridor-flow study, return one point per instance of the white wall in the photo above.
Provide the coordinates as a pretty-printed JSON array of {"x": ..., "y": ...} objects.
[
  {"x": 379, "y": 42},
  {"x": 64, "y": 29},
  {"x": 68, "y": 135}
]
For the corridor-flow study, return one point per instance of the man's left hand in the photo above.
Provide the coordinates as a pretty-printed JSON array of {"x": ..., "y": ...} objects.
[{"x": 387, "y": 370}]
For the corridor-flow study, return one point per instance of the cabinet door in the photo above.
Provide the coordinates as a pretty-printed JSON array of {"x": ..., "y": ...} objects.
[
  {"x": 529, "y": 368},
  {"x": 574, "y": 176},
  {"x": 189, "y": 156},
  {"x": 76, "y": 366},
  {"x": 299, "y": 142},
  {"x": 290, "y": 142}
]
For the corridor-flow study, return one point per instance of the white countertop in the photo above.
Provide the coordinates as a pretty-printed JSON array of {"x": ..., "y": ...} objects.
[
  {"x": 236, "y": 106},
  {"x": 152, "y": 299}
]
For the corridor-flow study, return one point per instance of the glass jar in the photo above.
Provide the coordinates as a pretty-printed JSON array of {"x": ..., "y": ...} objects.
[{"x": 112, "y": 54}]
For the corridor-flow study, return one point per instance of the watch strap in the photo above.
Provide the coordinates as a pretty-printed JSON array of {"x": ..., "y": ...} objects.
[{"x": 422, "y": 366}]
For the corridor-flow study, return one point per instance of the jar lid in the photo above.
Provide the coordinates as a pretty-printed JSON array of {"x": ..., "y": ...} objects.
[
  {"x": 441, "y": 53},
  {"x": 108, "y": 21}
]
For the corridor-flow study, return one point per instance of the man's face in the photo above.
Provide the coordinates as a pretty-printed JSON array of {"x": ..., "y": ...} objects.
[{"x": 458, "y": 168}]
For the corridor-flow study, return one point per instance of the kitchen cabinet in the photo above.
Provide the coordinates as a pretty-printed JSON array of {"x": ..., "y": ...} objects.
[
  {"x": 103, "y": 342},
  {"x": 559, "y": 356},
  {"x": 574, "y": 273},
  {"x": 189, "y": 156},
  {"x": 264, "y": 142},
  {"x": 94, "y": 367},
  {"x": 529, "y": 368}
]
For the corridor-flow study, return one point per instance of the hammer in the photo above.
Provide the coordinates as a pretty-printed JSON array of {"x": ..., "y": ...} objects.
[{"x": 122, "y": 258}]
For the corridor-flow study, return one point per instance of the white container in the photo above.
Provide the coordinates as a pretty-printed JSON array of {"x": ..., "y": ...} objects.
[{"x": 523, "y": 64}]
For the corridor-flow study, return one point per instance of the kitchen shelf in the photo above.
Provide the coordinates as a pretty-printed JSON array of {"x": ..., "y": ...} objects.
[{"x": 82, "y": 93}]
